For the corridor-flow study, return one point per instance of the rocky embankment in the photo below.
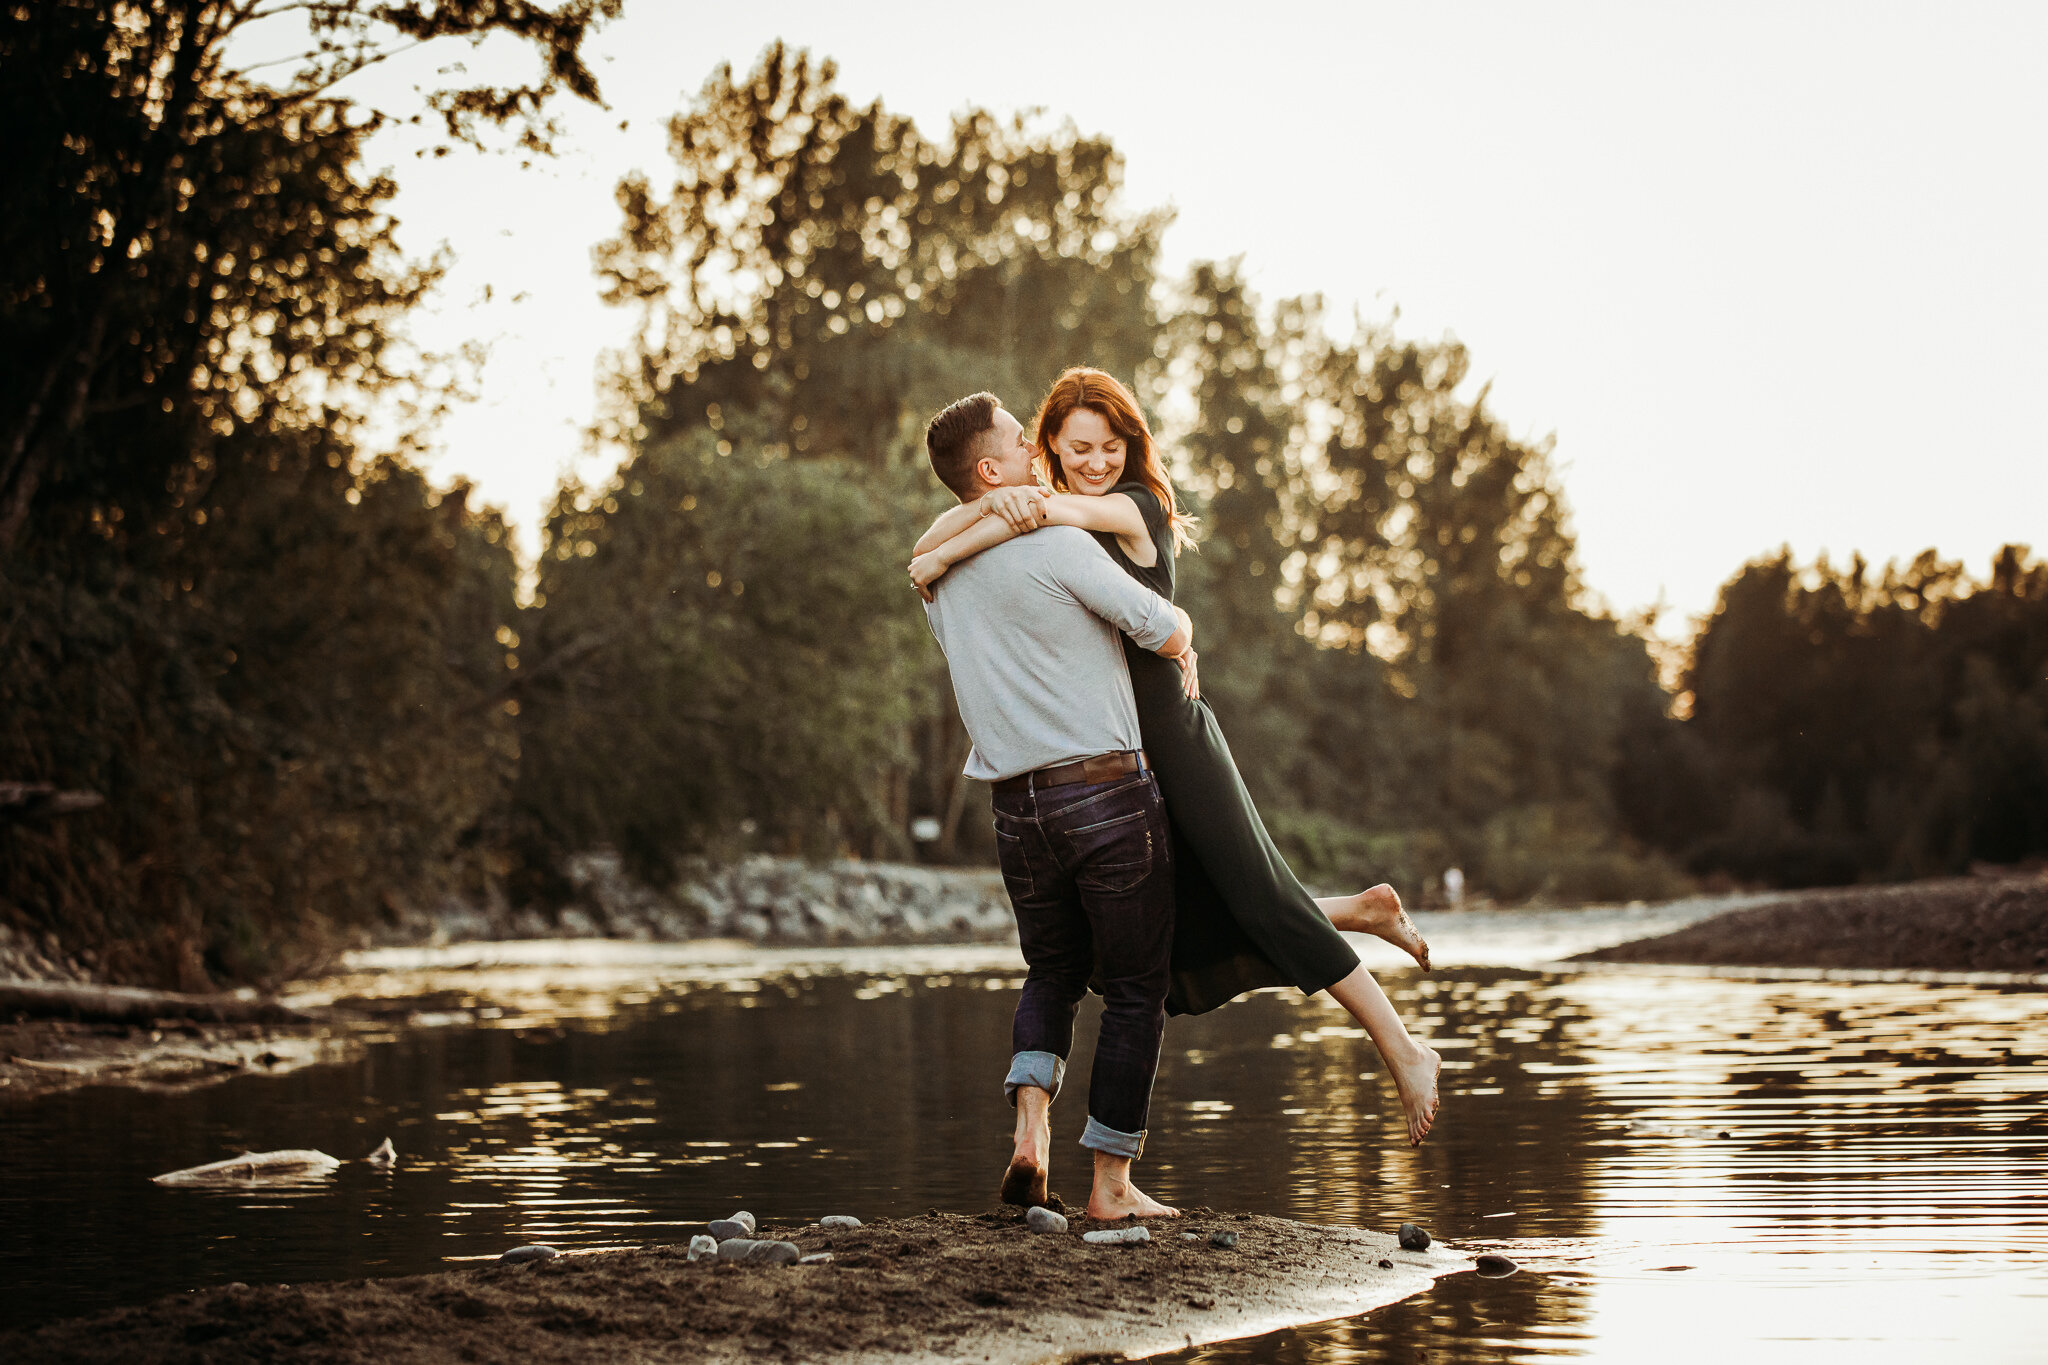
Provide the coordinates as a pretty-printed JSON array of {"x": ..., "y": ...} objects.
[{"x": 760, "y": 899}]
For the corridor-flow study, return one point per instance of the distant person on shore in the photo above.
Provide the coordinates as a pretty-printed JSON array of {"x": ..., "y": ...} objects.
[
  {"x": 1242, "y": 920},
  {"x": 1031, "y": 634}
]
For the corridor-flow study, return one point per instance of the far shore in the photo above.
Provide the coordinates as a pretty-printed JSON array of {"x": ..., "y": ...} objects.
[
  {"x": 1996, "y": 925},
  {"x": 910, "y": 1291},
  {"x": 1958, "y": 924}
]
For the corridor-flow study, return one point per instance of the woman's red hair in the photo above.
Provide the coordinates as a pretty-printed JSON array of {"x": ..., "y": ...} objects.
[{"x": 1102, "y": 394}]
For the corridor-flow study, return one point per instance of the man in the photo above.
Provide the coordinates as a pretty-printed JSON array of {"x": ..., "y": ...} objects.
[{"x": 1030, "y": 632}]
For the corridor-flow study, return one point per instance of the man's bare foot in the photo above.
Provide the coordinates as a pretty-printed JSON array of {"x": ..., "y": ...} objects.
[
  {"x": 1114, "y": 1196},
  {"x": 1378, "y": 912},
  {"x": 1126, "y": 1201},
  {"x": 1415, "y": 1080},
  {"x": 1024, "y": 1182}
]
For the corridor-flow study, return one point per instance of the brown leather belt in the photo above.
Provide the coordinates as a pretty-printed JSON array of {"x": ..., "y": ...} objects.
[{"x": 1100, "y": 768}]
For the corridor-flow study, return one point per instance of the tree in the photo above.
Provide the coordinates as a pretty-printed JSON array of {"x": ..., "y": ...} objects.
[
  {"x": 832, "y": 276},
  {"x": 275, "y": 658},
  {"x": 183, "y": 238}
]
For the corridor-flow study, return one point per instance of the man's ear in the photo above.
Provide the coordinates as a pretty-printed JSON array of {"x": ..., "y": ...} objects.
[{"x": 988, "y": 473}]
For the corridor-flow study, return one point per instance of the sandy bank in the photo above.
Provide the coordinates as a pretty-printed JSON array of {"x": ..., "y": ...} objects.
[
  {"x": 1963, "y": 924},
  {"x": 41, "y": 1056},
  {"x": 944, "y": 1287}
]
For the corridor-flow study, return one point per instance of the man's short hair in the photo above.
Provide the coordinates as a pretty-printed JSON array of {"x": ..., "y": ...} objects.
[{"x": 954, "y": 441}]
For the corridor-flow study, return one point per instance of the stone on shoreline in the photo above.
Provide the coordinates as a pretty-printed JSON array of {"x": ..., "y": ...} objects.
[
  {"x": 1222, "y": 1239},
  {"x": 1413, "y": 1238},
  {"x": 815, "y": 1258},
  {"x": 537, "y": 1252},
  {"x": 741, "y": 1224},
  {"x": 1495, "y": 1266},
  {"x": 747, "y": 1251},
  {"x": 1117, "y": 1236},
  {"x": 839, "y": 1222},
  {"x": 703, "y": 1247},
  {"x": 1042, "y": 1219}
]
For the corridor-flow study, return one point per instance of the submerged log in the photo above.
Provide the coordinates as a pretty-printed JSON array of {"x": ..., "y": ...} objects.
[{"x": 130, "y": 1005}]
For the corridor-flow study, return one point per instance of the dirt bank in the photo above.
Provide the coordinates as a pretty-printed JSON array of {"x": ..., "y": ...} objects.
[
  {"x": 41, "y": 1056},
  {"x": 944, "y": 1287},
  {"x": 1964, "y": 924}
]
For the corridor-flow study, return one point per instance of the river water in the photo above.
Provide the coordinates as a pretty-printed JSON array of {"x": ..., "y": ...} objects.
[{"x": 1687, "y": 1165}]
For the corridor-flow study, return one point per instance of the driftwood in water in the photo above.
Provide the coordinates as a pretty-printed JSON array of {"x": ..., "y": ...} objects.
[
  {"x": 296, "y": 1164},
  {"x": 129, "y": 1005},
  {"x": 36, "y": 800}
]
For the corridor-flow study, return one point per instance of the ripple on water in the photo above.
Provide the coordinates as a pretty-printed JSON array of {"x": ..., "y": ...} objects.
[{"x": 1751, "y": 1166}]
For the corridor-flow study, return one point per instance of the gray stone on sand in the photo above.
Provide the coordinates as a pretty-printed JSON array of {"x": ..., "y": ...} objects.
[
  {"x": 815, "y": 1258},
  {"x": 703, "y": 1248},
  {"x": 1495, "y": 1266},
  {"x": 1386, "y": 1264},
  {"x": 839, "y": 1222},
  {"x": 1413, "y": 1238},
  {"x": 747, "y": 1251},
  {"x": 1191, "y": 1236},
  {"x": 1117, "y": 1236},
  {"x": 1226, "y": 1240},
  {"x": 740, "y": 1224},
  {"x": 1039, "y": 1218},
  {"x": 521, "y": 1255}
]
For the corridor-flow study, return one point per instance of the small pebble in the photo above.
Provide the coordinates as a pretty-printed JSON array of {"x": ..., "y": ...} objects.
[
  {"x": 1495, "y": 1267},
  {"x": 749, "y": 1252},
  {"x": 1117, "y": 1236},
  {"x": 740, "y": 1224},
  {"x": 1042, "y": 1219},
  {"x": 1191, "y": 1236},
  {"x": 703, "y": 1248},
  {"x": 1413, "y": 1238},
  {"x": 1225, "y": 1240},
  {"x": 520, "y": 1255},
  {"x": 839, "y": 1222},
  {"x": 1386, "y": 1264},
  {"x": 815, "y": 1258}
]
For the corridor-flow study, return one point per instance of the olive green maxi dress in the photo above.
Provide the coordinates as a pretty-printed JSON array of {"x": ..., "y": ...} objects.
[{"x": 1241, "y": 919}]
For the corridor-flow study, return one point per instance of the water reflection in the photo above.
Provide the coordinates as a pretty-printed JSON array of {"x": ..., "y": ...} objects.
[{"x": 1762, "y": 1162}]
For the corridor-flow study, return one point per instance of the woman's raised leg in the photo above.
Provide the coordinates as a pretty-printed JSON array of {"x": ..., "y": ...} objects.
[
  {"x": 1413, "y": 1065},
  {"x": 1377, "y": 912}
]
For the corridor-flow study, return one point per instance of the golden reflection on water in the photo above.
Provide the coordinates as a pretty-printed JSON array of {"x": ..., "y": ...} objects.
[{"x": 1879, "y": 1133}]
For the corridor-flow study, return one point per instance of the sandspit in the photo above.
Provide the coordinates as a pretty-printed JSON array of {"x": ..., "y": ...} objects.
[{"x": 941, "y": 1287}]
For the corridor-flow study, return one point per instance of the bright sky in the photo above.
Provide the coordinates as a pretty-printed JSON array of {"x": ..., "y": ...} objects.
[{"x": 1771, "y": 273}]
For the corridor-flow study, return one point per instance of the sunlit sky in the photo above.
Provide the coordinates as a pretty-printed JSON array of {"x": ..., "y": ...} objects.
[{"x": 1771, "y": 274}]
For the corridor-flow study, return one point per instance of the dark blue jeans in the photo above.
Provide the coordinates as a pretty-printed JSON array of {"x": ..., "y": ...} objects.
[{"x": 1089, "y": 869}]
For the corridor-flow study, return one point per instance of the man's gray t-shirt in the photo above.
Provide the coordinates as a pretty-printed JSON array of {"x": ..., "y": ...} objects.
[{"x": 1031, "y": 631}]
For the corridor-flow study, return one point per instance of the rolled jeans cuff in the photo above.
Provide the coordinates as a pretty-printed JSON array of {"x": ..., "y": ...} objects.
[
  {"x": 1100, "y": 1137},
  {"x": 1043, "y": 1069}
]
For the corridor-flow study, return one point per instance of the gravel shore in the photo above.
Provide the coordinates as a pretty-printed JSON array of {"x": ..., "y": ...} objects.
[{"x": 1960, "y": 924}]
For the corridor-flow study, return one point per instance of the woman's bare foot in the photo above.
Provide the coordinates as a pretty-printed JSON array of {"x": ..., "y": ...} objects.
[
  {"x": 1114, "y": 1196},
  {"x": 1415, "y": 1080},
  {"x": 1378, "y": 912}
]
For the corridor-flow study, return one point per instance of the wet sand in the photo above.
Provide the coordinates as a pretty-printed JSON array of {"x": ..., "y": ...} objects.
[
  {"x": 943, "y": 1287},
  {"x": 1961, "y": 924}
]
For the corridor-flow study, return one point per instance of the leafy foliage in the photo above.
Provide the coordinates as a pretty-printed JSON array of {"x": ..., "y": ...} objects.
[{"x": 275, "y": 659}]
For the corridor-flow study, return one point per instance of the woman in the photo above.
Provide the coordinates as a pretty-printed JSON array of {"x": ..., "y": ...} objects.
[{"x": 1242, "y": 919}]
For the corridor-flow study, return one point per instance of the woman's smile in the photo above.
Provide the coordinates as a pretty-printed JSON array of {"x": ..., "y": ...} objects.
[{"x": 1090, "y": 452}]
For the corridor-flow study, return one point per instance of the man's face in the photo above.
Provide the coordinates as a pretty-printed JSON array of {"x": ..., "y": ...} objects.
[{"x": 1006, "y": 454}]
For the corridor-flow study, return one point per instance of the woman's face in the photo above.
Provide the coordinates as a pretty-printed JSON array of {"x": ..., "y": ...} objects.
[{"x": 1090, "y": 453}]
